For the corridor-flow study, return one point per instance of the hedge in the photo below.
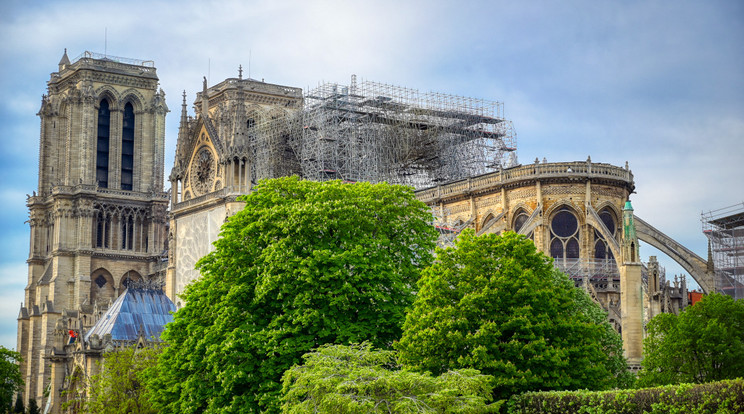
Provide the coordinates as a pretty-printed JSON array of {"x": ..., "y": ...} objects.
[{"x": 715, "y": 397}]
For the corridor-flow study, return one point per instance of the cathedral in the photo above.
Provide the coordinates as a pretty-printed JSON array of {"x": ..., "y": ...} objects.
[{"x": 106, "y": 238}]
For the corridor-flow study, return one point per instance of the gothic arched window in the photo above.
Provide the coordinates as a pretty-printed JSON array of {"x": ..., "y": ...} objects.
[
  {"x": 102, "y": 150},
  {"x": 564, "y": 229},
  {"x": 127, "y": 148},
  {"x": 103, "y": 224},
  {"x": 520, "y": 220},
  {"x": 601, "y": 248}
]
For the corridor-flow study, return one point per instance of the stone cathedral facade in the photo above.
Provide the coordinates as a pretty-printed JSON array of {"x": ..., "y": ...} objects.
[{"x": 98, "y": 219}]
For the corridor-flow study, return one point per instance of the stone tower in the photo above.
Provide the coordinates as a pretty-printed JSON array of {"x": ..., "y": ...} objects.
[
  {"x": 631, "y": 290},
  {"x": 239, "y": 135},
  {"x": 98, "y": 219}
]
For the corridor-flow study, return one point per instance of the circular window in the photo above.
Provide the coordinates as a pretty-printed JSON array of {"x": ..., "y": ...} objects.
[{"x": 564, "y": 224}]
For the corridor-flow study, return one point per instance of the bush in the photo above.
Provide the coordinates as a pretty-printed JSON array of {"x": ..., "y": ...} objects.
[{"x": 717, "y": 397}]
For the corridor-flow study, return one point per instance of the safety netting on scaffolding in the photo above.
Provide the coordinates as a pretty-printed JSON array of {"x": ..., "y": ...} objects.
[{"x": 378, "y": 132}]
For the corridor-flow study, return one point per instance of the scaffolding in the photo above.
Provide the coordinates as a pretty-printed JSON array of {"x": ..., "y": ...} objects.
[
  {"x": 724, "y": 229},
  {"x": 377, "y": 132}
]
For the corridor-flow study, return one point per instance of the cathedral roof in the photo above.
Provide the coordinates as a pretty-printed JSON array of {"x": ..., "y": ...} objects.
[{"x": 137, "y": 310}]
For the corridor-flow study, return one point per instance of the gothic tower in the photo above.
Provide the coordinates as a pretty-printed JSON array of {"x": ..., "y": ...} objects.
[
  {"x": 631, "y": 290},
  {"x": 240, "y": 134},
  {"x": 98, "y": 219}
]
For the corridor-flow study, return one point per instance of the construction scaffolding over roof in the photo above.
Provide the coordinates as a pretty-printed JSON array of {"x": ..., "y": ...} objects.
[
  {"x": 725, "y": 231},
  {"x": 377, "y": 132}
]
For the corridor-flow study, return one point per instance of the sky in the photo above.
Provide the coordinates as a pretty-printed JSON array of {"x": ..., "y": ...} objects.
[{"x": 659, "y": 84}]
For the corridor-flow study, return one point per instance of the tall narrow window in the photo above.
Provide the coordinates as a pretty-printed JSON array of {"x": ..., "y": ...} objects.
[
  {"x": 102, "y": 156},
  {"x": 127, "y": 148}
]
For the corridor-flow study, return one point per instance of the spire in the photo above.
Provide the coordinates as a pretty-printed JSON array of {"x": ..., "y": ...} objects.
[
  {"x": 64, "y": 61},
  {"x": 630, "y": 240},
  {"x": 240, "y": 72},
  {"x": 184, "y": 113},
  {"x": 204, "y": 100}
]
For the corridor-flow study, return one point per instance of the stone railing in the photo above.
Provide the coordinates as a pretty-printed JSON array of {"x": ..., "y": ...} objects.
[
  {"x": 253, "y": 86},
  {"x": 94, "y": 190},
  {"x": 202, "y": 198},
  {"x": 111, "y": 60},
  {"x": 578, "y": 169}
]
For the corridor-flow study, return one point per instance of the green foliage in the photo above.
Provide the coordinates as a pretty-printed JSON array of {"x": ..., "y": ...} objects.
[
  {"x": 495, "y": 304},
  {"x": 704, "y": 343},
  {"x": 10, "y": 376},
  {"x": 359, "y": 379},
  {"x": 33, "y": 408},
  {"x": 724, "y": 397},
  {"x": 19, "y": 408},
  {"x": 610, "y": 341},
  {"x": 303, "y": 264},
  {"x": 119, "y": 386}
]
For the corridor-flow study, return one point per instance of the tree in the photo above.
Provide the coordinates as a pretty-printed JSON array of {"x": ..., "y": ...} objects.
[
  {"x": 494, "y": 303},
  {"x": 704, "y": 343},
  {"x": 119, "y": 385},
  {"x": 360, "y": 379},
  {"x": 33, "y": 407},
  {"x": 303, "y": 264},
  {"x": 609, "y": 339},
  {"x": 19, "y": 407},
  {"x": 10, "y": 376}
]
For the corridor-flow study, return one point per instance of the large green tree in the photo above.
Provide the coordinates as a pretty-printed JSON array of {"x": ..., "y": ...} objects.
[
  {"x": 360, "y": 379},
  {"x": 303, "y": 264},
  {"x": 10, "y": 376},
  {"x": 494, "y": 303},
  {"x": 704, "y": 343}
]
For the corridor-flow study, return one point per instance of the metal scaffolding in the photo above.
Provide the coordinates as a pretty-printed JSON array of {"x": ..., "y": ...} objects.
[
  {"x": 725, "y": 231},
  {"x": 377, "y": 132}
]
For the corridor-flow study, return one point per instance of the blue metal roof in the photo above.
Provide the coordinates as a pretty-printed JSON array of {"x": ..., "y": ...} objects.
[{"x": 136, "y": 309}]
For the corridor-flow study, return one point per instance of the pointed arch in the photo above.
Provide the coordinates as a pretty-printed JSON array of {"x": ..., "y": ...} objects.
[
  {"x": 134, "y": 97},
  {"x": 129, "y": 277},
  {"x": 102, "y": 286},
  {"x": 109, "y": 93}
]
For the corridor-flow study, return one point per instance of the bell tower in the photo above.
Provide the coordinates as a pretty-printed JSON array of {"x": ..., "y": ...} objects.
[{"x": 98, "y": 217}]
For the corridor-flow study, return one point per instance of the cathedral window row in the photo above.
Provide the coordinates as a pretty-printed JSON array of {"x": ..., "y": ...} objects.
[
  {"x": 122, "y": 231},
  {"x": 103, "y": 146}
]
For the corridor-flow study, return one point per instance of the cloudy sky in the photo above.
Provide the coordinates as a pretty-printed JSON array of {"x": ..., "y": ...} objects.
[{"x": 659, "y": 84}]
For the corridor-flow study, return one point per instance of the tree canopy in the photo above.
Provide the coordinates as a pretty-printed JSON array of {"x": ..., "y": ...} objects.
[
  {"x": 10, "y": 376},
  {"x": 360, "y": 379},
  {"x": 494, "y": 303},
  {"x": 119, "y": 386},
  {"x": 303, "y": 264},
  {"x": 704, "y": 343}
]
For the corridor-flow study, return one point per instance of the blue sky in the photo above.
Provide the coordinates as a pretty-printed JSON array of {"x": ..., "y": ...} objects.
[{"x": 659, "y": 84}]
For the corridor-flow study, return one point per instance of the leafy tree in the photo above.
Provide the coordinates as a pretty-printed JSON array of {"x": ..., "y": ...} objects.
[
  {"x": 10, "y": 376},
  {"x": 610, "y": 341},
  {"x": 494, "y": 303},
  {"x": 303, "y": 264},
  {"x": 704, "y": 343},
  {"x": 360, "y": 379},
  {"x": 119, "y": 386}
]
